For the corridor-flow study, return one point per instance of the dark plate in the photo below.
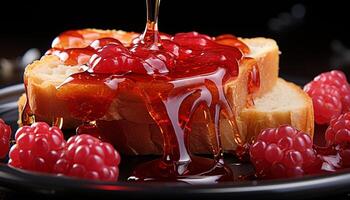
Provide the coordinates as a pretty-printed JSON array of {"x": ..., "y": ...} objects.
[{"x": 16, "y": 182}]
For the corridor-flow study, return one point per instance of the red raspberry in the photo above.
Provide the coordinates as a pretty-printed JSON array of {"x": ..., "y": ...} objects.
[
  {"x": 5, "y": 134},
  {"x": 338, "y": 131},
  {"x": 344, "y": 154},
  {"x": 345, "y": 97},
  {"x": 37, "y": 147},
  {"x": 337, "y": 79},
  {"x": 89, "y": 158},
  {"x": 337, "y": 137},
  {"x": 282, "y": 152},
  {"x": 326, "y": 101}
]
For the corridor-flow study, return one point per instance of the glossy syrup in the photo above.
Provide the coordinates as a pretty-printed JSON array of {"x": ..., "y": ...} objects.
[
  {"x": 176, "y": 77},
  {"x": 27, "y": 116},
  {"x": 253, "y": 81}
]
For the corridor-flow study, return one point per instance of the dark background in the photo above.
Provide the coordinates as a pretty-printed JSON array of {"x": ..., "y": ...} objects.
[{"x": 312, "y": 35}]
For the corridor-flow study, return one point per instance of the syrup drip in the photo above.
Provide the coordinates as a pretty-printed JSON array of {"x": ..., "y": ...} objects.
[
  {"x": 175, "y": 76},
  {"x": 26, "y": 117},
  {"x": 253, "y": 81}
]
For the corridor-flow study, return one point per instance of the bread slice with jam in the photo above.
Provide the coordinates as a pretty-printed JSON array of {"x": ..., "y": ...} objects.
[{"x": 132, "y": 122}]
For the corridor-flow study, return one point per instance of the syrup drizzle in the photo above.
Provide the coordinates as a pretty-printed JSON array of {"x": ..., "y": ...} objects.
[
  {"x": 26, "y": 117},
  {"x": 151, "y": 34}
]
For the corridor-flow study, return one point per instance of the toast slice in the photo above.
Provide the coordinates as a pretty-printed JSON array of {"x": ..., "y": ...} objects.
[
  {"x": 142, "y": 135},
  {"x": 286, "y": 103}
]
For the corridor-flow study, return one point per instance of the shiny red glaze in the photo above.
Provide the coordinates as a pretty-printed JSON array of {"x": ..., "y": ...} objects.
[
  {"x": 183, "y": 50},
  {"x": 5, "y": 135},
  {"x": 254, "y": 79},
  {"x": 230, "y": 40},
  {"x": 84, "y": 37},
  {"x": 74, "y": 56},
  {"x": 99, "y": 43},
  {"x": 116, "y": 59}
]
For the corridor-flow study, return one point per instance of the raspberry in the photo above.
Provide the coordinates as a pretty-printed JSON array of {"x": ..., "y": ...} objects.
[
  {"x": 338, "y": 131},
  {"x": 326, "y": 101},
  {"x": 344, "y": 154},
  {"x": 337, "y": 138},
  {"x": 42, "y": 148},
  {"x": 37, "y": 147},
  {"x": 337, "y": 79},
  {"x": 88, "y": 158},
  {"x": 282, "y": 152},
  {"x": 5, "y": 134}
]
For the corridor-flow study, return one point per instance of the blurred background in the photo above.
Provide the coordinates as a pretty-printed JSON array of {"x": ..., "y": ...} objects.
[{"x": 313, "y": 36}]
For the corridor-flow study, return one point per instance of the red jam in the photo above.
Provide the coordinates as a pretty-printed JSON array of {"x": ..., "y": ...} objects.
[{"x": 83, "y": 38}]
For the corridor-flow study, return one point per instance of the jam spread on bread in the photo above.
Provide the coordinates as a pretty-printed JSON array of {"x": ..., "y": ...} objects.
[{"x": 175, "y": 76}]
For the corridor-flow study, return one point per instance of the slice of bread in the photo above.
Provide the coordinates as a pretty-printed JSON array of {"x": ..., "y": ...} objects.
[
  {"x": 286, "y": 103},
  {"x": 142, "y": 135}
]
